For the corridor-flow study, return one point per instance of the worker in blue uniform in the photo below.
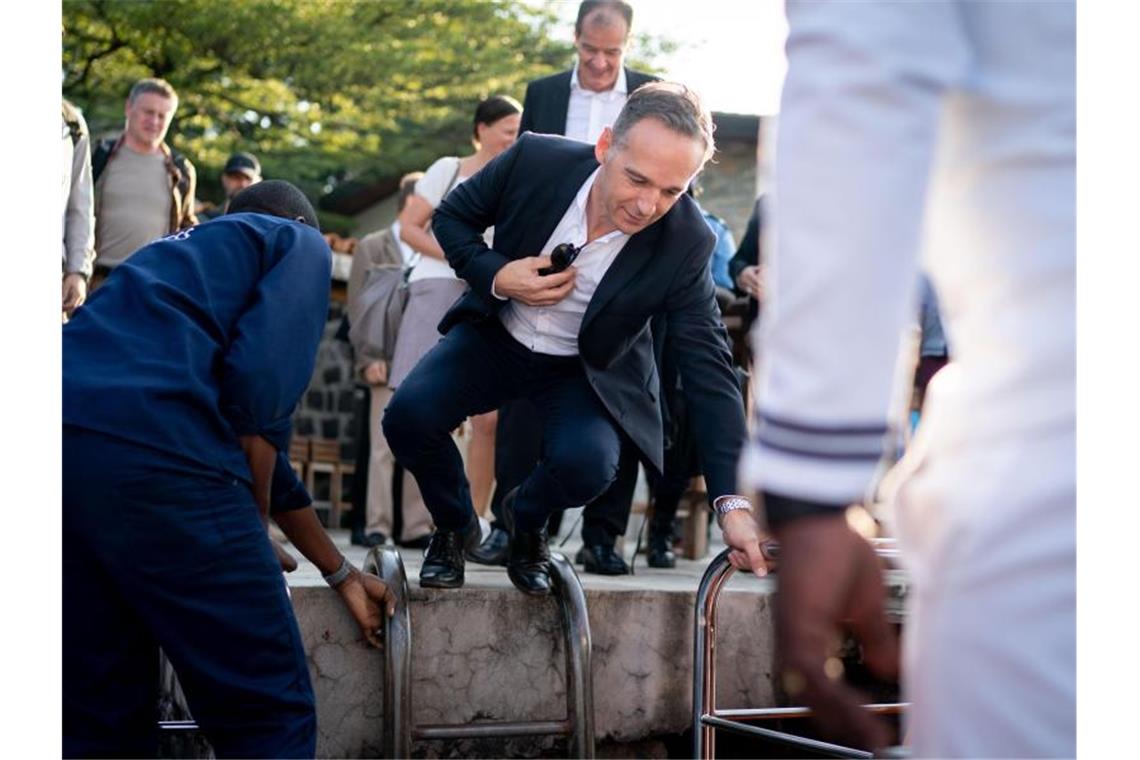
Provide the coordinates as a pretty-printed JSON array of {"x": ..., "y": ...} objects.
[{"x": 180, "y": 376}]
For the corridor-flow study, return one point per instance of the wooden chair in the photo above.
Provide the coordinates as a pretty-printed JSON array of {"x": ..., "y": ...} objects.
[
  {"x": 299, "y": 456},
  {"x": 695, "y": 524},
  {"x": 324, "y": 458}
]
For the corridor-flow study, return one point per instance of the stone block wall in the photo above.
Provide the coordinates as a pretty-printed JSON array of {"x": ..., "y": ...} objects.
[
  {"x": 728, "y": 187},
  {"x": 327, "y": 406}
]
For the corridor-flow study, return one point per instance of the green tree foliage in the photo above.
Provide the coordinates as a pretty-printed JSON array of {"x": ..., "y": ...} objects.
[{"x": 323, "y": 91}]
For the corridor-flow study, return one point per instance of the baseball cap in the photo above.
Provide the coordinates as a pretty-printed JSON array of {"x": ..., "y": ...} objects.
[{"x": 243, "y": 163}]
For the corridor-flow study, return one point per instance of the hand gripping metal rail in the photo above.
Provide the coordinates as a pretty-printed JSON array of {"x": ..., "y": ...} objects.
[
  {"x": 707, "y": 719},
  {"x": 398, "y": 729}
]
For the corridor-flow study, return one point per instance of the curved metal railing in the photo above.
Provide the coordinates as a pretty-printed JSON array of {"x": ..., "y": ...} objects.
[
  {"x": 399, "y": 730},
  {"x": 707, "y": 719}
]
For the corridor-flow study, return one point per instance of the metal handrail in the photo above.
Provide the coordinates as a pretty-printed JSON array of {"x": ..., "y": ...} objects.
[
  {"x": 398, "y": 728},
  {"x": 579, "y": 671},
  {"x": 386, "y": 562},
  {"x": 707, "y": 719}
]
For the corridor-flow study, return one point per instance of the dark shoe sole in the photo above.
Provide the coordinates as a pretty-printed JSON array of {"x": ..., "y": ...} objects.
[
  {"x": 439, "y": 583},
  {"x": 590, "y": 567}
]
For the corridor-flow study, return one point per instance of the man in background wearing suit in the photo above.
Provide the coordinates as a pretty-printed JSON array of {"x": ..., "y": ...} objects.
[
  {"x": 578, "y": 103},
  {"x": 575, "y": 341},
  {"x": 581, "y": 101}
]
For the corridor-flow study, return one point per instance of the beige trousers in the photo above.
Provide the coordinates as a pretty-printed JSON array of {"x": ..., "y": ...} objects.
[{"x": 381, "y": 468}]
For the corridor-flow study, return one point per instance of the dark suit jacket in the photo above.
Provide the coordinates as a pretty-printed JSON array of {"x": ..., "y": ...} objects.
[
  {"x": 748, "y": 254},
  {"x": 548, "y": 99},
  {"x": 664, "y": 269}
]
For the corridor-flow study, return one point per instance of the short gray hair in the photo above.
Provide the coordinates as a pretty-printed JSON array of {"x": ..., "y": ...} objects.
[
  {"x": 674, "y": 105},
  {"x": 155, "y": 86}
]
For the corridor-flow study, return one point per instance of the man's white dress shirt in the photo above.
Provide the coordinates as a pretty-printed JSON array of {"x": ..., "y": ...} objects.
[
  {"x": 554, "y": 329},
  {"x": 590, "y": 112}
]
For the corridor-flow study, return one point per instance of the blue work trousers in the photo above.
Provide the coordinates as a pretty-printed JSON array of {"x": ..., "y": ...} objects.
[
  {"x": 163, "y": 552},
  {"x": 476, "y": 368}
]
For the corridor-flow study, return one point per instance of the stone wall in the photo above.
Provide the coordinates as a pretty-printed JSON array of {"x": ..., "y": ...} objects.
[
  {"x": 728, "y": 187},
  {"x": 490, "y": 653},
  {"x": 326, "y": 408}
]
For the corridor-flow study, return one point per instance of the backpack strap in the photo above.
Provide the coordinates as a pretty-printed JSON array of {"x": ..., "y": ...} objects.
[
  {"x": 74, "y": 126},
  {"x": 179, "y": 161},
  {"x": 451, "y": 184},
  {"x": 101, "y": 154}
]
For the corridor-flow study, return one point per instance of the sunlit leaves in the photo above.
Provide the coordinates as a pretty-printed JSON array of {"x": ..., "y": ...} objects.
[{"x": 324, "y": 91}]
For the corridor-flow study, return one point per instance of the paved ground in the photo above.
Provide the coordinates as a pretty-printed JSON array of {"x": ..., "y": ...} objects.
[{"x": 685, "y": 577}]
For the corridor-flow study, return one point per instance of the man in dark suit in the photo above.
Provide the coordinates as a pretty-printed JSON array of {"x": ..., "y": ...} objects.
[
  {"x": 575, "y": 341},
  {"x": 582, "y": 100},
  {"x": 577, "y": 103}
]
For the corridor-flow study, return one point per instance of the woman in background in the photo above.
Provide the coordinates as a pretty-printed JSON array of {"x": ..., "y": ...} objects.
[{"x": 434, "y": 286}]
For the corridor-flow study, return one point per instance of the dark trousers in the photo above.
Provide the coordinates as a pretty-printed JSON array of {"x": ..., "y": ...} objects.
[
  {"x": 518, "y": 447},
  {"x": 161, "y": 552},
  {"x": 361, "y": 451},
  {"x": 667, "y": 490},
  {"x": 476, "y": 368},
  {"x": 681, "y": 459}
]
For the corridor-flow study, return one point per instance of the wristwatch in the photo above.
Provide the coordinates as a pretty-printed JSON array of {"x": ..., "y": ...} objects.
[
  {"x": 340, "y": 575},
  {"x": 722, "y": 505}
]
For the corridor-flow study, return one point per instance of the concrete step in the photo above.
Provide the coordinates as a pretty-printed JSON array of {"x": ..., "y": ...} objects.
[{"x": 488, "y": 652}]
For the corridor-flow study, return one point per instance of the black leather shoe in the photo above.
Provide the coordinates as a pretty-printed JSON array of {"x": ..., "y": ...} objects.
[
  {"x": 528, "y": 554},
  {"x": 374, "y": 539},
  {"x": 528, "y": 563},
  {"x": 603, "y": 560},
  {"x": 443, "y": 560},
  {"x": 494, "y": 550},
  {"x": 359, "y": 538},
  {"x": 661, "y": 552}
]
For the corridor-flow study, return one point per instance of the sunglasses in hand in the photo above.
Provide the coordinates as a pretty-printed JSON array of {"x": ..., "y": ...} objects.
[{"x": 561, "y": 257}]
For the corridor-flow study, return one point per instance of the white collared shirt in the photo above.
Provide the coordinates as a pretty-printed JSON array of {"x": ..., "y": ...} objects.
[
  {"x": 590, "y": 112},
  {"x": 554, "y": 329}
]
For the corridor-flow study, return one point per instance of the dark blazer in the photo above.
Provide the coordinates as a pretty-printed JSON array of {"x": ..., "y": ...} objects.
[
  {"x": 548, "y": 99},
  {"x": 748, "y": 254},
  {"x": 664, "y": 269}
]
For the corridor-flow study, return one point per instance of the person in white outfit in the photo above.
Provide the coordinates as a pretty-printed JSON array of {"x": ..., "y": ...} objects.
[{"x": 945, "y": 129}]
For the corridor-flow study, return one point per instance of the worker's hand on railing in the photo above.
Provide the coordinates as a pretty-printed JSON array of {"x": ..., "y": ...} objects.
[
  {"x": 831, "y": 578},
  {"x": 752, "y": 548},
  {"x": 366, "y": 596}
]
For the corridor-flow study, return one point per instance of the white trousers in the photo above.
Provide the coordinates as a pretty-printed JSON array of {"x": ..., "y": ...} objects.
[
  {"x": 946, "y": 128},
  {"x": 989, "y": 645}
]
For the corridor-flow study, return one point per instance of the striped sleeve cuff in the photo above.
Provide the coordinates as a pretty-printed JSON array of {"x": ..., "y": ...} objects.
[
  {"x": 828, "y": 464},
  {"x": 847, "y": 443}
]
